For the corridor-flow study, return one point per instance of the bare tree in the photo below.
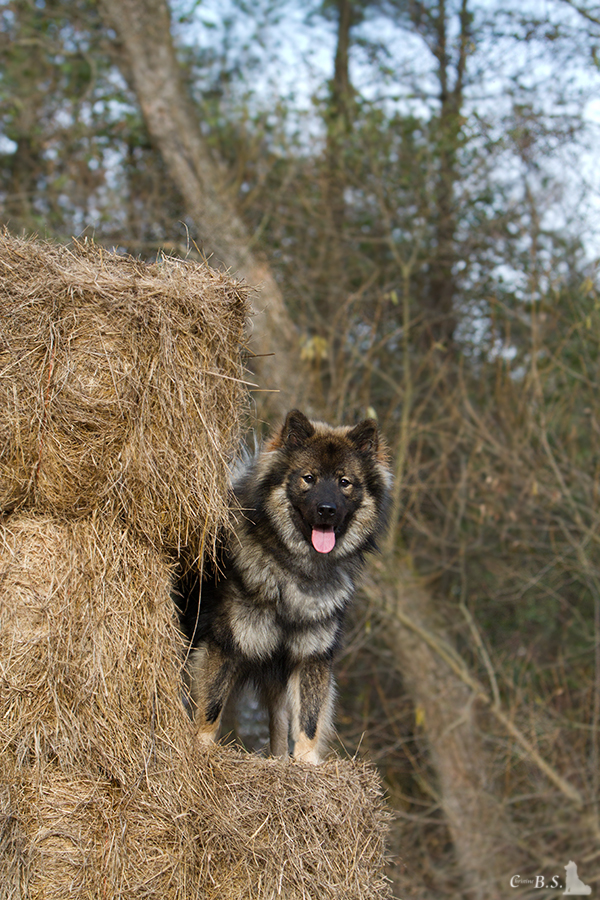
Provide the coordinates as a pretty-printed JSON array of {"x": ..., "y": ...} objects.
[{"x": 148, "y": 62}]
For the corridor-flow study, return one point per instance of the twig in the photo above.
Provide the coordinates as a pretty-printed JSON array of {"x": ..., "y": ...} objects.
[{"x": 446, "y": 652}]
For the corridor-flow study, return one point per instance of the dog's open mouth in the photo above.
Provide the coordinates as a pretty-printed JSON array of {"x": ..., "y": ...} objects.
[{"x": 323, "y": 538}]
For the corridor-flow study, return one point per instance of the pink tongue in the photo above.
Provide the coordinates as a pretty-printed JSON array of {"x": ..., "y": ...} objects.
[{"x": 323, "y": 539}]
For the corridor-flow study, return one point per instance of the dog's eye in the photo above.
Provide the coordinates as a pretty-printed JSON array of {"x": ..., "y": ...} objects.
[
  {"x": 309, "y": 479},
  {"x": 345, "y": 482}
]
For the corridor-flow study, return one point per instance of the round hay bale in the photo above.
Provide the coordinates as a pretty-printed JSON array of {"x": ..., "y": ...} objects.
[
  {"x": 121, "y": 387},
  {"x": 103, "y": 790}
]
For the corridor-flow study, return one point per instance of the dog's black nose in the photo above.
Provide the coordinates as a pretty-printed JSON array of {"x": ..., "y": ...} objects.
[{"x": 326, "y": 510}]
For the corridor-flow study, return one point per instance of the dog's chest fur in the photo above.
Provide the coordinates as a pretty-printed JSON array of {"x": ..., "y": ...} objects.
[{"x": 270, "y": 608}]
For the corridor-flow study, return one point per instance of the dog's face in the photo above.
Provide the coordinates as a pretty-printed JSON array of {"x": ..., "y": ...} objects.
[{"x": 333, "y": 482}]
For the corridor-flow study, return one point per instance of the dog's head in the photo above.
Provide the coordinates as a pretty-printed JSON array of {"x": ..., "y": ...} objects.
[{"x": 335, "y": 482}]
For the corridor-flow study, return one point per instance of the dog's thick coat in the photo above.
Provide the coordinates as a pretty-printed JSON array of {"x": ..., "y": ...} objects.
[{"x": 309, "y": 506}]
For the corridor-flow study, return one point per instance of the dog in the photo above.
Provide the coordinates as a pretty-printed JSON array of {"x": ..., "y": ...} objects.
[{"x": 309, "y": 506}]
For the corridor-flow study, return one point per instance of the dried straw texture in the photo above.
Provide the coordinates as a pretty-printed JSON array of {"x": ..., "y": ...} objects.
[
  {"x": 90, "y": 710},
  {"x": 88, "y": 644},
  {"x": 120, "y": 387},
  {"x": 103, "y": 791},
  {"x": 273, "y": 829}
]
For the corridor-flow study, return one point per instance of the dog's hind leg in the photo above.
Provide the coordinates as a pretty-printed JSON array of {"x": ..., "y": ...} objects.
[
  {"x": 312, "y": 695},
  {"x": 279, "y": 721},
  {"x": 212, "y": 675}
]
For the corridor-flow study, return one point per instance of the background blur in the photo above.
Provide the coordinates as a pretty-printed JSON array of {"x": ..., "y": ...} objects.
[{"x": 415, "y": 187}]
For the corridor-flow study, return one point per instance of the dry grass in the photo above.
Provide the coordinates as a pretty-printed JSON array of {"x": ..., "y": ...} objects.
[
  {"x": 120, "y": 387},
  {"x": 103, "y": 791}
]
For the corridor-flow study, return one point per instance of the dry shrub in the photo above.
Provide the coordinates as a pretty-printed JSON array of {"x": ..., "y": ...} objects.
[
  {"x": 120, "y": 387},
  {"x": 103, "y": 791}
]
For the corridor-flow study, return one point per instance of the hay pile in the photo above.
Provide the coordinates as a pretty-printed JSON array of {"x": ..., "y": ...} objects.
[
  {"x": 90, "y": 707},
  {"x": 103, "y": 791},
  {"x": 120, "y": 387},
  {"x": 120, "y": 403}
]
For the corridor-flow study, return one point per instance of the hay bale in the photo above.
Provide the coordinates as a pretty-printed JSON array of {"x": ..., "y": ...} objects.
[
  {"x": 92, "y": 726},
  {"x": 120, "y": 387},
  {"x": 81, "y": 836},
  {"x": 275, "y": 828},
  {"x": 233, "y": 827},
  {"x": 89, "y": 648},
  {"x": 103, "y": 790}
]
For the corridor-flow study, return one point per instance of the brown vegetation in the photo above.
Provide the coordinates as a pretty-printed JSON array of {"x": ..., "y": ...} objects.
[{"x": 498, "y": 521}]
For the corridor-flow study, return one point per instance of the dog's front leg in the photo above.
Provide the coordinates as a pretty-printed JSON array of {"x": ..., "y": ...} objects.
[
  {"x": 311, "y": 694},
  {"x": 212, "y": 676}
]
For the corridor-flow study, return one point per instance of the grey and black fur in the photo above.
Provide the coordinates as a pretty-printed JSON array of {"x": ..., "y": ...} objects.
[{"x": 310, "y": 505}]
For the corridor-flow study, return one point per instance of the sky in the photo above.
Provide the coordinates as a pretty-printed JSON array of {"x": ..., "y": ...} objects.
[{"x": 294, "y": 49}]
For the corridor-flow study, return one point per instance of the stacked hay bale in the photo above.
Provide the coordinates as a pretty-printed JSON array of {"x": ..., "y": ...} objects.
[{"x": 121, "y": 387}]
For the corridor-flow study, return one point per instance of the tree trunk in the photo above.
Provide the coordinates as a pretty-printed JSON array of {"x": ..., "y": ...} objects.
[
  {"x": 339, "y": 120},
  {"x": 26, "y": 164},
  {"x": 440, "y": 316},
  {"x": 480, "y": 828},
  {"x": 150, "y": 66},
  {"x": 332, "y": 285}
]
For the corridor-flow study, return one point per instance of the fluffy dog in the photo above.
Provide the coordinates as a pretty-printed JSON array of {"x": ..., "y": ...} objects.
[{"x": 309, "y": 506}]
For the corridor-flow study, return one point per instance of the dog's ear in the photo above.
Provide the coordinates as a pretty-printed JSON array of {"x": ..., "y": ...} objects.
[
  {"x": 294, "y": 433},
  {"x": 365, "y": 437},
  {"x": 296, "y": 430}
]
